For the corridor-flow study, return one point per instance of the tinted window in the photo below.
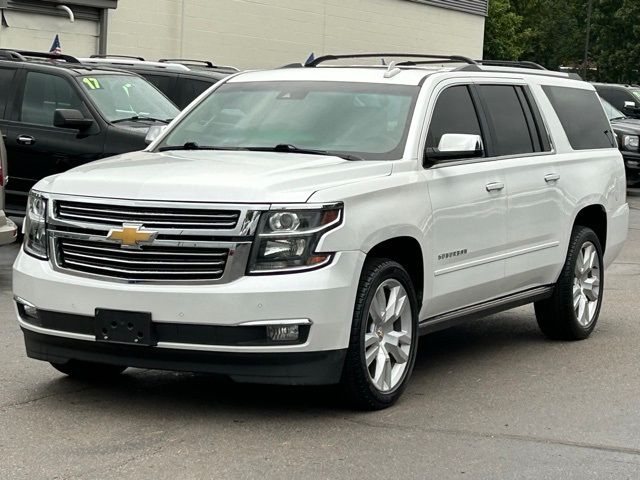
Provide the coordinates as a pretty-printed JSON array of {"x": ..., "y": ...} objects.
[
  {"x": 189, "y": 89},
  {"x": 616, "y": 96},
  {"x": 510, "y": 124},
  {"x": 43, "y": 94},
  {"x": 582, "y": 117},
  {"x": 6, "y": 77},
  {"x": 164, "y": 83},
  {"x": 454, "y": 113}
]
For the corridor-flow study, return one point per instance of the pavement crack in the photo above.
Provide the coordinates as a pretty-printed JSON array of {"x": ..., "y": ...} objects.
[
  {"x": 502, "y": 436},
  {"x": 9, "y": 406}
]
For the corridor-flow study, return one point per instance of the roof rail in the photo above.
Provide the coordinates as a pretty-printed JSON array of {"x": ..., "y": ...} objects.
[
  {"x": 130, "y": 57},
  {"x": 23, "y": 55},
  {"x": 11, "y": 55},
  {"x": 511, "y": 63},
  {"x": 446, "y": 58},
  {"x": 205, "y": 63}
]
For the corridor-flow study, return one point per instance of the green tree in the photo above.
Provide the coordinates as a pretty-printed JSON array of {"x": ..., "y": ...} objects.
[{"x": 504, "y": 38}]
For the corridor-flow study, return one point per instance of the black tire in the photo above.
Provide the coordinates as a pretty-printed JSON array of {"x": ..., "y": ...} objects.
[
  {"x": 356, "y": 381},
  {"x": 88, "y": 370},
  {"x": 556, "y": 315}
]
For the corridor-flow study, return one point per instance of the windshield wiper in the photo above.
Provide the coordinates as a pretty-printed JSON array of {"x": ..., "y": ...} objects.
[
  {"x": 195, "y": 146},
  {"x": 136, "y": 118},
  {"x": 287, "y": 148}
]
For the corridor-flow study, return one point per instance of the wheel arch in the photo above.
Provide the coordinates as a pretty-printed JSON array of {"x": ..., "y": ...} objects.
[
  {"x": 594, "y": 216},
  {"x": 407, "y": 251}
]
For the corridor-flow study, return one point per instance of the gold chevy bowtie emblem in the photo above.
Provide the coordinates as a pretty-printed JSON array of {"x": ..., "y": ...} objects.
[{"x": 132, "y": 236}]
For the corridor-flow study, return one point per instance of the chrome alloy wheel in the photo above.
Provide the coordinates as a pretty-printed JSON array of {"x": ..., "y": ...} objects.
[
  {"x": 586, "y": 284},
  {"x": 387, "y": 338}
]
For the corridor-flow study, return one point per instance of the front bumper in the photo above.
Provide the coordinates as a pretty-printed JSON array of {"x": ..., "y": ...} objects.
[
  {"x": 325, "y": 297},
  {"x": 306, "y": 368}
]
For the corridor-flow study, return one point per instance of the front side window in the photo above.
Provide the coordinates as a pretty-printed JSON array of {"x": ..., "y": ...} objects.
[
  {"x": 44, "y": 94},
  {"x": 122, "y": 97},
  {"x": 510, "y": 126},
  {"x": 582, "y": 117},
  {"x": 370, "y": 121},
  {"x": 454, "y": 113}
]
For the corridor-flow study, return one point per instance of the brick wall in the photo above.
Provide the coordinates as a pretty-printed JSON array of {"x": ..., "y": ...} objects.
[{"x": 267, "y": 33}]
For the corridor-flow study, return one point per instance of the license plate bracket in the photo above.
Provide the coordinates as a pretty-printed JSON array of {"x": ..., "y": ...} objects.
[{"x": 121, "y": 326}]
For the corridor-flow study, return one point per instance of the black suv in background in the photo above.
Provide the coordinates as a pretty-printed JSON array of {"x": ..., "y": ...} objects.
[
  {"x": 627, "y": 131},
  {"x": 625, "y": 98},
  {"x": 57, "y": 113},
  {"x": 181, "y": 80}
]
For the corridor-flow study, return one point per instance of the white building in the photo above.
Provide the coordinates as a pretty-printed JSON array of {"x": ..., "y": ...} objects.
[{"x": 247, "y": 33}]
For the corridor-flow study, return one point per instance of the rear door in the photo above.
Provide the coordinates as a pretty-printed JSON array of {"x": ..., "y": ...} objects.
[
  {"x": 35, "y": 147},
  {"x": 534, "y": 197},
  {"x": 469, "y": 204}
]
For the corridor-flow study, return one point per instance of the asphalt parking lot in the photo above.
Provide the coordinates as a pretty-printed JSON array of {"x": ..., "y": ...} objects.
[{"x": 489, "y": 399}]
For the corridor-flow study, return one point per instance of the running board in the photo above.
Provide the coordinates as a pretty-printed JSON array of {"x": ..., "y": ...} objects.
[{"x": 446, "y": 320}]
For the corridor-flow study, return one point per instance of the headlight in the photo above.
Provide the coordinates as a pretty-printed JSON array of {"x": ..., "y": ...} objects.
[
  {"x": 631, "y": 142},
  {"x": 287, "y": 239},
  {"x": 35, "y": 228}
]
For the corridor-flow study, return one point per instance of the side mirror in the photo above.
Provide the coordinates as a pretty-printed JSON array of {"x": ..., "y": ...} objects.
[
  {"x": 153, "y": 133},
  {"x": 455, "y": 146},
  {"x": 631, "y": 108},
  {"x": 67, "y": 118}
]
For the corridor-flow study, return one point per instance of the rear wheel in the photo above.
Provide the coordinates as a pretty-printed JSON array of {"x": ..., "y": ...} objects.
[
  {"x": 384, "y": 335},
  {"x": 572, "y": 312},
  {"x": 88, "y": 370}
]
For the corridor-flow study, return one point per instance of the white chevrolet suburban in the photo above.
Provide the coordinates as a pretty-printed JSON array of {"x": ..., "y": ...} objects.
[{"x": 305, "y": 225}]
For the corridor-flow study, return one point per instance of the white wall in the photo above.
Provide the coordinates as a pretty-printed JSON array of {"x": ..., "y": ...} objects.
[
  {"x": 268, "y": 33},
  {"x": 31, "y": 31}
]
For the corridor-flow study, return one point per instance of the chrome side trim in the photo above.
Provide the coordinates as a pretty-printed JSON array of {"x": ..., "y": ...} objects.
[
  {"x": 259, "y": 323},
  {"x": 55, "y": 333},
  {"x": 22, "y": 301},
  {"x": 445, "y": 320},
  {"x": 495, "y": 258}
]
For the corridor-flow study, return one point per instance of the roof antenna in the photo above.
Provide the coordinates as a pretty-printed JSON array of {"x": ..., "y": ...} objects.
[{"x": 392, "y": 71}]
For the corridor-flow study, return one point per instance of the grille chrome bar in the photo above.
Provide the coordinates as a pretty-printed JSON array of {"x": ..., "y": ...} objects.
[
  {"x": 96, "y": 258},
  {"x": 151, "y": 214},
  {"x": 136, "y": 272},
  {"x": 150, "y": 253},
  {"x": 151, "y": 223}
]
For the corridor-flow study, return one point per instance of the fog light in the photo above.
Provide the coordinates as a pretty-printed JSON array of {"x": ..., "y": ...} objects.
[
  {"x": 633, "y": 163},
  {"x": 30, "y": 311},
  {"x": 283, "y": 333}
]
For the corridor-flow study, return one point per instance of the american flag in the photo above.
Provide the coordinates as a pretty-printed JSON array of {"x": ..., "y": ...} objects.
[{"x": 56, "y": 48}]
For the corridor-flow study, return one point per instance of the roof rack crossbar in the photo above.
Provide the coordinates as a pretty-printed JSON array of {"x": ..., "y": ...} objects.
[
  {"x": 448, "y": 58},
  {"x": 130, "y": 57},
  {"x": 11, "y": 55},
  {"x": 511, "y": 63},
  {"x": 27, "y": 53},
  {"x": 186, "y": 60}
]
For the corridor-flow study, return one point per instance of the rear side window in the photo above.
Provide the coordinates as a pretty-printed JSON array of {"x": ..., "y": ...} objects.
[
  {"x": 616, "y": 96},
  {"x": 454, "y": 113},
  {"x": 164, "y": 83},
  {"x": 44, "y": 94},
  {"x": 582, "y": 117},
  {"x": 6, "y": 77},
  {"x": 511, "y": 119},
  {"x": 189, "y": 90}
]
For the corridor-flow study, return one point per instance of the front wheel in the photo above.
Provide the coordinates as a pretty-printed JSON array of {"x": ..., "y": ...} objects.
[
  {"x": 384, "y": 336},
  {"x": 571, "y": 313}
]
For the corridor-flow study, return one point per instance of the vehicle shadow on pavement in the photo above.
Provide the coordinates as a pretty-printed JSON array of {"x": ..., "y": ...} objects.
[{"x": 452, "y": 349}]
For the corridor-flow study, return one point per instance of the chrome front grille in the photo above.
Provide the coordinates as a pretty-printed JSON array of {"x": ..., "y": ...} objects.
[
  {"x": 149, "y": 263},
  {"x": 151, "y": 217},
  {"x": 192, "y": 242}
]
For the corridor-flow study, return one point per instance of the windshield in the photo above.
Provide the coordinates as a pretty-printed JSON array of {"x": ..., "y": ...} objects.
[
  {"x": 125, "y": 96},
  {"x": 367, "y": 120},
  {"x": 611, "y": 111}
]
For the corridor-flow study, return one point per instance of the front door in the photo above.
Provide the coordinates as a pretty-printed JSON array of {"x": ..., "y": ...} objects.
[
  {"x": 35, "y": 147},
  {"x": 469, "y": 202}
]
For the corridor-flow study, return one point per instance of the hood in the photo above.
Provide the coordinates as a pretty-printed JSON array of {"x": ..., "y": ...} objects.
[
  {"x": 212, "y": 176},
  {"x": 626, "y": 125}
]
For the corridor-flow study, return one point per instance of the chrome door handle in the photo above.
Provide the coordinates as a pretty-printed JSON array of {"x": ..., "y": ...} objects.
[
  {"x": 495, "y": 186},
  {"x": 552, "y": 177},
  {"x": 25, "y": 140}
]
